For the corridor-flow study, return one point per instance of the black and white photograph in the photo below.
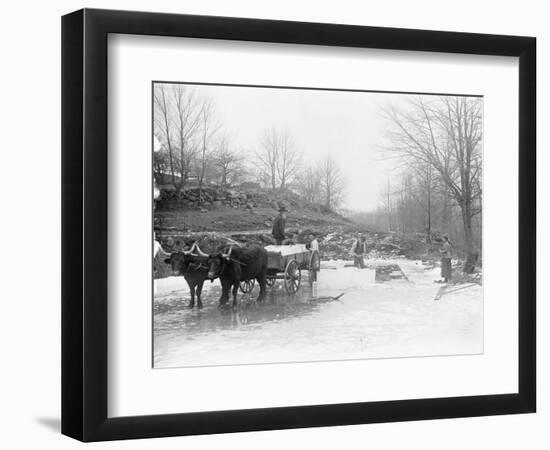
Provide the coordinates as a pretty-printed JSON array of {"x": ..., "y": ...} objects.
[
  {"x": 275, "y": 225},
  {"x": 299, "y": 225}
]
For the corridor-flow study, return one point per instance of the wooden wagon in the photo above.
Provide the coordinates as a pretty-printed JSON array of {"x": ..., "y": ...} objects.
[{"x": 287, "y": 262}]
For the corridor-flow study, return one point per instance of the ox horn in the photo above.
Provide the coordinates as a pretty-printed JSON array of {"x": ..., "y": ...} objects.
[
  {"x": 162, "y": 253},
  {"x": 226, "y": 256},
  {"x": 200, "y": 252},
  {"x": 188, "y": 252}
]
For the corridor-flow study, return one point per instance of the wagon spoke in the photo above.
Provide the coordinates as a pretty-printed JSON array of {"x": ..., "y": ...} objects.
[
  {"x": 247, "y": 286},
  {"x": 293, "y": 277}
]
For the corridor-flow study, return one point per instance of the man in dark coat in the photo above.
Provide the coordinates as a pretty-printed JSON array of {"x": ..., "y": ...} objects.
[
  {"x": 278, "y": 231},
  {"x": 446, "y": 268},
  {"x": 358, "y": 250}
]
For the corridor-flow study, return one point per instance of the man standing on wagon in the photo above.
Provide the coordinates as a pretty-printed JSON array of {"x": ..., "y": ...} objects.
[{"x": 279, "y": 223}]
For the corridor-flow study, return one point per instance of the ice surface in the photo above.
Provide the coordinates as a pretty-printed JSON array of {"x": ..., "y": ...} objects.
[{"x": 393, "y": 319}]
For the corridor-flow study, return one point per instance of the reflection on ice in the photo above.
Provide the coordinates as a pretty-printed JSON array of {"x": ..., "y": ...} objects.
[{"x": 276, "y": 306}]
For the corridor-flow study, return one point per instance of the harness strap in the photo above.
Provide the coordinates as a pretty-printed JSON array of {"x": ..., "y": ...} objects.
[{"x": 238, "y": 262}]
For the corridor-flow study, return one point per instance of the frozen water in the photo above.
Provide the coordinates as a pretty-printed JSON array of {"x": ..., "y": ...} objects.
[{"x": 372, "y": 320}]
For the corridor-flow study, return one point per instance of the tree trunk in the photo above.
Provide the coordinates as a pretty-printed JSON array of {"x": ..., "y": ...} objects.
[
  {"x": 471, "y": 254},
  {"x": 273, "y": 182},
  {"x": 201, "y": 179},
  {"x": 179, "y": 186},
  {"x": 429, "y": 228},
  {"x": 429, "y": 206}
]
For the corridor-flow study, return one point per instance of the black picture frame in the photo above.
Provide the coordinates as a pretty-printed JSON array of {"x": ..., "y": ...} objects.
[{"x": 84, "y": 224}]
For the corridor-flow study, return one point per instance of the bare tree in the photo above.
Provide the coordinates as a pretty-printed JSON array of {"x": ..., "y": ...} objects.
[
  {"x": 288, "y": 161},
  {"x": 188, "y": 115},
  {"x": 445, "y": 133},
  {"x": 332, "y": 182},
  {"x": 268, "y": 156},
  {"x": 405, "y": 206},
  {"x": 387, "y": 203},
  {"x": 279, "y": 160},
  {"x": 309, "y": 184},
  {"x": 424, "y": 192},
  {"x": 176, "y": 118},
  {"x": 161, "y": 165},
  {"x": 228, "y": 163},
  {"x": 164, "y": 125},
  {"x": 207, "y": 131}
]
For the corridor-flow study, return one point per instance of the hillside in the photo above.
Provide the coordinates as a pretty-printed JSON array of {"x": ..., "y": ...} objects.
[{"x": 231, "y": 210}]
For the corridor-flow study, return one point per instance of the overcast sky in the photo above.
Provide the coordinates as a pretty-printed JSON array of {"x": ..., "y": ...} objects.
[{"x": 347, "y": 125}]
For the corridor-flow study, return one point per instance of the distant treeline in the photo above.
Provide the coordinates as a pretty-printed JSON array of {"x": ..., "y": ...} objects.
[{"x": 437, "y": 186}]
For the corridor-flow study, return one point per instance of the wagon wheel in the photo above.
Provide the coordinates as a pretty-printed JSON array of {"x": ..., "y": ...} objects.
[
  {"x": 270, "y": 282},
  {"x": 247, "y": 286},
  {"x": 293, "y": 277},
  {"x": 314, "y": 266}
]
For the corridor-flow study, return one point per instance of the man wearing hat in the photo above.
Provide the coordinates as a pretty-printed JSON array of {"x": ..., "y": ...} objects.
[
  {"x": 446, "y": 268},
  {"x": 358, "y": 250},
  {"x": 278, "y": 231}
]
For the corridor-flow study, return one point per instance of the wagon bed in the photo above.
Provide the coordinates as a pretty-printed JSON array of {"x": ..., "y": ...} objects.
[
  {"x": 278, "y": 256},
  {"x": 286, "y": 262}
]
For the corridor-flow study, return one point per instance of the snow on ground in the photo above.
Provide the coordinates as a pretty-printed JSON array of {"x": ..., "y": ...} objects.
[{"x": 372, "y": 320}]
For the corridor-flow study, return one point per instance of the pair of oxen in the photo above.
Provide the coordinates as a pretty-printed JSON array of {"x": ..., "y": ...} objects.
[{"x": 233, "y": 266}]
